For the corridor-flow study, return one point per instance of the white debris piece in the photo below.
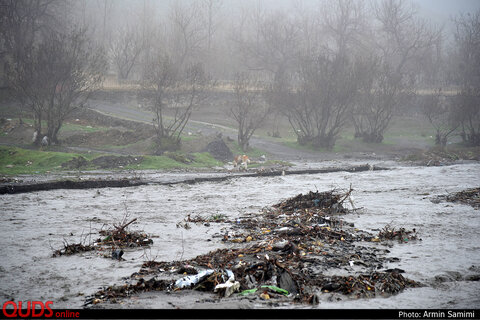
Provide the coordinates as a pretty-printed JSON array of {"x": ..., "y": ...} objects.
[
  {"x": 45, "y": 141},
  {"x": 230, "y": 286}
]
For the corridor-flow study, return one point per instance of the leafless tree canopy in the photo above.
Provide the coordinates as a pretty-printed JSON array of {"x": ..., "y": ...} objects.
[
  {"x": 126, "y": 48},
  {"x": 390, "y": 68},
  {"x": 172, "y": 92},
  {"x": 327, "y": 64},
  {"x": 249, "y": 108},
  {"x": 56, "y": 77},
  {"x": 440, "y": 112},
  {"x": 467, "y": 38}
]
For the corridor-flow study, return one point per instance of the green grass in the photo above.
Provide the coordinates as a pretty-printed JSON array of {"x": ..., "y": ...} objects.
[
  {"x": 403, "y": 130},
  {"x": 251, "y": 153},
  {"x": 119, "y": 147},
  {"x": 201, "y": 160},
  {"x": 205, "y": 159},
  {"x": 186, "y": 137},
  {"x": 68, "y": 127},
  {"x": 26, "y": 161}
]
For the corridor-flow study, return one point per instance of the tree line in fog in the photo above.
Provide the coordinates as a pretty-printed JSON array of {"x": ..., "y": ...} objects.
[{"x": 321, "y": 65}]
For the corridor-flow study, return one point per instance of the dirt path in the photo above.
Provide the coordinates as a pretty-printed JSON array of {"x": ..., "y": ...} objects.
[{"x": 276, "y": 150}]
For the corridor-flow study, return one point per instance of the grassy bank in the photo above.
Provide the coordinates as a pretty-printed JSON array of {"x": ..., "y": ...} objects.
[
  {"x": 69, "y": 127},
  {"x": 14, "y": 161}
]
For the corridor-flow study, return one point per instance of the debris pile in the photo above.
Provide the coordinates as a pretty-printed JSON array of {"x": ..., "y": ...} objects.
[
  {"x": 112, "y": 293},
  {"x": 122, "y": 238},
  {"x": 367, "y": 285},
  {"x": 328, "y": 202},
  {"x": 288, "y": 253},
  {"x": 402, "y": 235},
  {"x": 74, "y": 248},
  {"x": 437, "y": 156},
  {"x": 468, "y": 196},
  {"x": 113, "y": 240}
]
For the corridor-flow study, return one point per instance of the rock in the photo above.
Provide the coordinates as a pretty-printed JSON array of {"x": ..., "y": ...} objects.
[
  {"x": 117, "y": 254},
  {"x": 219, "y": 150},
  {"x": 331, "y": 287},
  {"x": 285, "y": 281}
]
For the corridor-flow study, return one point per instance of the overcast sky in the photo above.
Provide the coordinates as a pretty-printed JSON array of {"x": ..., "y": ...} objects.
[
  {"x": 443, "y": 10},
  {"x": 440, "y": 12}
]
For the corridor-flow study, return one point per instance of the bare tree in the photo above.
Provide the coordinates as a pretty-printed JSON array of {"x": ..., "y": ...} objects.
[
  {"x": 318, "y": 103},
  {"x": 440, "y": 112},
  {"x": 467, "y": 40},
  {"x": 159, "y": 79},
  {"x": 267, "y": 42},
  {"x": 57, "y": 77},
  {"x": 318, "y": 96},
  {"x": 345, "y": 23},
  {"x": 249, "y": 109},
  {"x": 212, "y": 8},
  {"x": 377, "y": 95},
  {"x": 188, "y": 32},
  {"x": 125, "y": 50},
  {"x": 20, "y": 23},
  {"x": 173, "y": 92},
  {"x": 404, "y": 40}
]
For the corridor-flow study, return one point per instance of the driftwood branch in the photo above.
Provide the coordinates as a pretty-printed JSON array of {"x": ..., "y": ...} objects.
[{"x": 121, "y": 228}]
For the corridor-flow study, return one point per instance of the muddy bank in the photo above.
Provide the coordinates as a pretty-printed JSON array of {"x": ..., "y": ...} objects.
[
  {"x": 12, "y": 188},
  {"x": 68, "y": 184}
]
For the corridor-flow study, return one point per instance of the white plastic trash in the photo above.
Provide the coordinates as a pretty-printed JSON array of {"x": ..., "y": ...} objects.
[{"x": 230, "y": 286}]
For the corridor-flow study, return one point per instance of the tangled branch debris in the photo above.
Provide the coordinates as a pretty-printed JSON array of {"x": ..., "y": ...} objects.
[
  {"x": 119, "y": 237},
  {"x": 287, "y": 253},
  {"x": 113, "y": 239},
  {"x": 402, "y": 235},
  {"x": 69, "y": 249},
  {"x": 468, "y": 196}
]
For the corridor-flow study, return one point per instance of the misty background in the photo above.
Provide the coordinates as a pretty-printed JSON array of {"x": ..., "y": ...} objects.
[{"x": 320, "y": 65}]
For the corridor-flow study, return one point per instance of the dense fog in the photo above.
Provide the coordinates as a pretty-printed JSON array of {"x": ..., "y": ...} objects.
[{"x": 319, "y": 64}]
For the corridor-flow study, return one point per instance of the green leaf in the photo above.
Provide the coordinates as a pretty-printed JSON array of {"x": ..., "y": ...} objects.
[
  {"x": 247, "y": 292},
  {"x": 277, "y": 289}
]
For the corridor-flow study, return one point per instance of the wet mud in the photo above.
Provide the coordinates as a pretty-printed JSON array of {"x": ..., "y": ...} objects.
[{"x": 188, "y": 224}]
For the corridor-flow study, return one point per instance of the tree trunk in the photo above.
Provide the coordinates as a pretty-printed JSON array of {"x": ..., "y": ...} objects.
[
  {"x": 243, "y": 142},
  {"x": 37, "y": 123}
]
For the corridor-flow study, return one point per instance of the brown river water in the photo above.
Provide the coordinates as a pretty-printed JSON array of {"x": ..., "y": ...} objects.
[{"x": 33, "y": 224}]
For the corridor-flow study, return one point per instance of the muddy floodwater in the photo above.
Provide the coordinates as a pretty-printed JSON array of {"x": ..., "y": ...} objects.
[{"x": 446, "y": 260}]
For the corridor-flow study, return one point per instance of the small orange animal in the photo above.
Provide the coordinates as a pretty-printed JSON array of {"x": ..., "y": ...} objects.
[{"x": 243, "y": 161}]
